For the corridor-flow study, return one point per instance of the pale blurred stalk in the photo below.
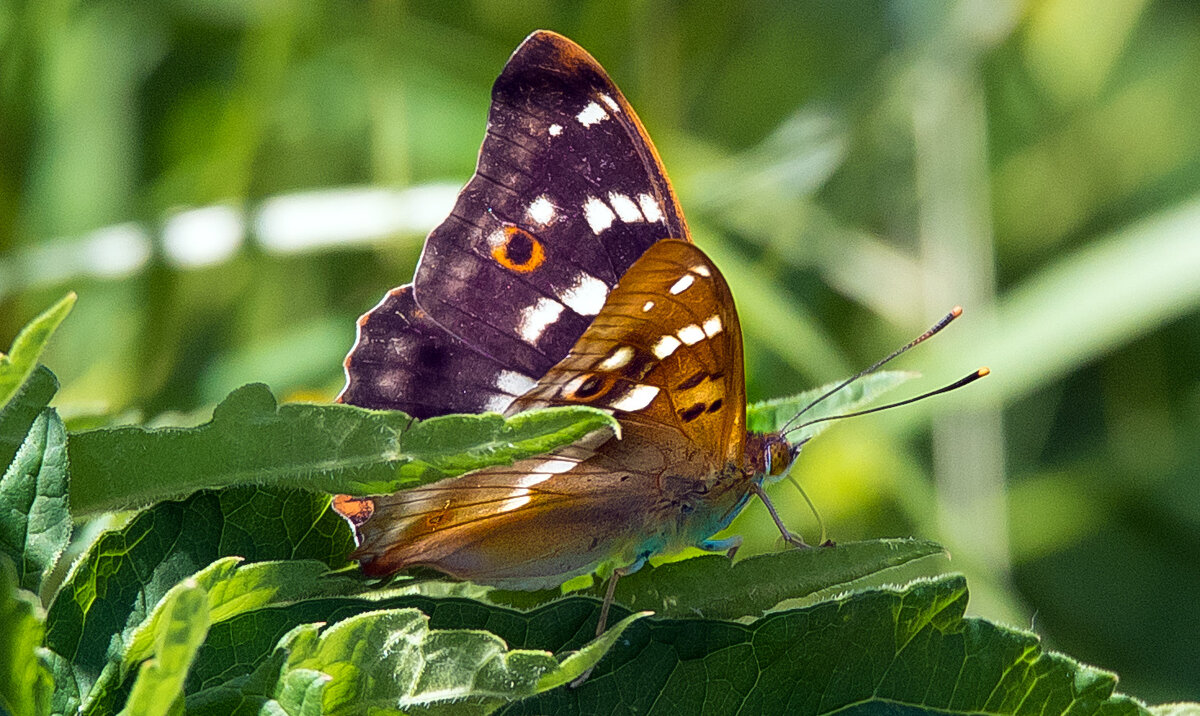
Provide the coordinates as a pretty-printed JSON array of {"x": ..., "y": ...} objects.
[{"x": 957, "y": 267}]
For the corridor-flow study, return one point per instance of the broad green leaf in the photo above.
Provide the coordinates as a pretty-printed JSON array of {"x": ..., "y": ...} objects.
[
  {"x": 33, "y": 499},
  {"x": 770, "y": 415},
  {"x": 116, "y": 584},
  {"x": 391, "y": 660},
  {"x": 25, "y": 683},
  {"x": 713, "y": 587},
  {"x": 330, "y": 448},
  {"x": 68, "y": 693},
  {"x": 233, "y": 587},
  {"x": 16, "y": 367},
  {"x": 179, "y": 632},
  {"x": 18, "y": 414},
  {"x": 682, "y": 589},
  {"x": 908, "y": 650}
]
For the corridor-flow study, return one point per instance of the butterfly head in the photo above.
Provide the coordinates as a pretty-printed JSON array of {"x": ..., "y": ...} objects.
[{"x": 770, "y": 455}]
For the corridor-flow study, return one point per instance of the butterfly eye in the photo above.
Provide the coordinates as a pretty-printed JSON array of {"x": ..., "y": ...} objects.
[{"x": 779, "y": 457}]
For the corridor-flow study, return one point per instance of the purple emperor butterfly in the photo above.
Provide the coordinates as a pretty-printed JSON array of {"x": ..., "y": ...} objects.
[{"x": 564, "y": 275}]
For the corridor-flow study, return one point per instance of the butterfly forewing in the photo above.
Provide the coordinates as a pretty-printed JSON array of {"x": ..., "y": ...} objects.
[
  {"x": 567, "y": 194},
  {"x": 665, "y": 352}
]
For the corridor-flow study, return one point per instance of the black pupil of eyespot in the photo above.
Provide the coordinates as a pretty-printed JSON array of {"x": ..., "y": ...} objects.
[{"x": 519, "y": 248}]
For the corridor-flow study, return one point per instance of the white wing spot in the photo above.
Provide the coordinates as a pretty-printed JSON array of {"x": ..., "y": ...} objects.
[
  {"x": 691, "y": 335},
  {"x": 497, "y": 238},
  {"x": 534, "y": 478},
  {"x": 535, "y": 318},
  {"x": 520, "y": 497},
  {"x": 555, "y": 130},
  {"x": 598, "y": 215},
  {"x": 647, "y": 306},
  {"x": 541, "y": 210},
  {"x": 650, "y": 208},
  {"x": 683, "y": 284},
  {"x": 618, "y": 358},
  {"x": 591, "y": 114},
  {"x": 626, "y": 209},
  {"x": 712, "y": 325},
  {"x": 513, "y": 383},
  {"x": 665, "y": 346},
  {"x": 554, "y": 466},
  {"x": 638, "y": 397},
  {"x": 497, "y": 403},
  {"x": 702, "y": 270},
  {"x": 612, "y": 103},
  {"x": 586, "y": 296}
]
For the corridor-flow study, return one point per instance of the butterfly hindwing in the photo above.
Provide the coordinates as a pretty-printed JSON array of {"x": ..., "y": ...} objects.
[
  {"x": 567, "y": 194},
  {"x": 402, "y": 360},
  {"x": 518, "y": 526}
]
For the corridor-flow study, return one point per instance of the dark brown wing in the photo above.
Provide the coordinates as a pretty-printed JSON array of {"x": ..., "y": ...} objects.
[{"x": 568, "y": 193}]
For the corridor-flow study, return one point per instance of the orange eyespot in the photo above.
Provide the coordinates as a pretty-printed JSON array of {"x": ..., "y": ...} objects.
[{"x": 518, "y": 250}]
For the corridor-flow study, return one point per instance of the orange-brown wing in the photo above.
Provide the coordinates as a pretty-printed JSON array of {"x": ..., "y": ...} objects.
[
  {"x": 665, "y": 354},
  {"x": 531, "y": 525}
]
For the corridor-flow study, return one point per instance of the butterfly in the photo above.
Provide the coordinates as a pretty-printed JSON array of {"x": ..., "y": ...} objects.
[{"x": 564, "y": 275}]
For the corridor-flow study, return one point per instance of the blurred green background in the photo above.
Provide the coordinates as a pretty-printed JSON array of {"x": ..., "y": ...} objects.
[{"x": 228, "y": 185}]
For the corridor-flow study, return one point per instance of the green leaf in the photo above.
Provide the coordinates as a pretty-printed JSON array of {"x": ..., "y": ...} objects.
[
  {"x": 68, "y": 694},
  {"x": 25, "y": 683},
  {"x": 178, "y": 634},
  {"x": 392, "y": 661},
  {"x": 18, "y": 414},
  {"x": 713, "y": 587},
  {"x": 908, "y": 650},
  {"x": 330, "y": 448},
  {"x": 113, "y": 588},
  {"x": 27, "y": 347},
  {"x": 771, "y": 415},
  {"x": 746, "y": 588},
  {"x": 33, "y": 497},
  {"x": 233, "y": 588}
]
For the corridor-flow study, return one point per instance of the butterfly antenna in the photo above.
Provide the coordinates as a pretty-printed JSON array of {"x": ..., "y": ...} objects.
[
  {"x": 967, "y": 380},
  {"x": 933, "y": 330}
]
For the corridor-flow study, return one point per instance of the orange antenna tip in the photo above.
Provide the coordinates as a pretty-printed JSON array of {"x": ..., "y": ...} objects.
[
  {"x": 983, "y": 371},
  {"x": 956, "y": 311}
]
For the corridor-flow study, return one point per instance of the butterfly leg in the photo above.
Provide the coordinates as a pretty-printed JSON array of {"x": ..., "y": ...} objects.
[
  {"x": 792, "y": 539},
  {"x": 729, "y": 545},
  {"x": 608, "y": 600}
]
